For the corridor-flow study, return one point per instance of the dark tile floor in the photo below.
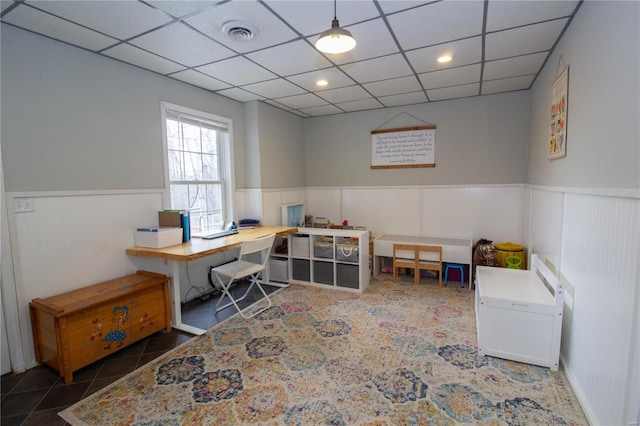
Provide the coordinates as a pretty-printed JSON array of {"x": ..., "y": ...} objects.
[{"x": 37, "y": 395}]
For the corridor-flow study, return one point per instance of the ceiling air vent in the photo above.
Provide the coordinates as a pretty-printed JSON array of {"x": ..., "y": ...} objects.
[{"x": 239, "y": 30}]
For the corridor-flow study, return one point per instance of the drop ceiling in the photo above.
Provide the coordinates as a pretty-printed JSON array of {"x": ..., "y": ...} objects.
[{"x": 497, "y": 46}]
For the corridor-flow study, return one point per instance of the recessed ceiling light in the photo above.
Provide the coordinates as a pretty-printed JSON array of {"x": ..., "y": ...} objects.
[
  {"x": 445, "y": 58},
  {"x": 322, "y": 83}
]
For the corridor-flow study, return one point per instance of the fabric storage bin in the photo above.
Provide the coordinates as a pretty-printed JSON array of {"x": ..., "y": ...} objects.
[
  {"x": 323, "y": 272},
  {"x": 347, "y": 276},
  {"x": 300, "y": 245},
  {"x": 323, "y": 249},
  {"x": 301, "y": 270},
  {"x": 347, "y": 252},
  {"x": 278, "y": 270}
]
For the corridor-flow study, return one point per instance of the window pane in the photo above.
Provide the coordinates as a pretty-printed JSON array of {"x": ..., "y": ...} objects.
[
  {"x": 193, "y": 166},
  {"x": 173, "y": 135},
  {"x": 176, "y": 171},
  {"x": 214, "y": 200},
  {"x": 210, "y": 169},
  {"x": 191, "y": 137},
  {"x": 209, "y": 141},
  {"x": 179, "y": 197}
]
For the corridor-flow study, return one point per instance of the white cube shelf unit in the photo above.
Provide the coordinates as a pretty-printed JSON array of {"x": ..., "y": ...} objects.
[{"x": 336, "y": 258}]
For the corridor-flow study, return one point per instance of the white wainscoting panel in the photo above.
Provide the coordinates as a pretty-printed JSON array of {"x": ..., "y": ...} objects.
[
  {"x": 271, "y": 210},
  {"x": 384, "y": 210},
  {"x": 325, "y": 202},
  {"x": 71, "y": 241},
  {"x": 273, "y": 200},
  {"x": 546, "y": 225},
  {"x": 600, "y": 252},
  {"x": 448, "y": 211},
  {"x": 491, "y": 212},
  {"x": 248, "y": 203}
]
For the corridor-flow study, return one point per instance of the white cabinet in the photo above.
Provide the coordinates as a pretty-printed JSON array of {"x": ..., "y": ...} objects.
[{"x": 335, "y": 258}]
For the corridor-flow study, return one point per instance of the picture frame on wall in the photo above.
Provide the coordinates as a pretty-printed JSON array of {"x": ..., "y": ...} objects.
[{"x": 558, "y": 115}]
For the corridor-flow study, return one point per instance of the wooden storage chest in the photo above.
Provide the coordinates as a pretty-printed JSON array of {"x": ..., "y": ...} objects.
[{"x": 73, "y": 329}]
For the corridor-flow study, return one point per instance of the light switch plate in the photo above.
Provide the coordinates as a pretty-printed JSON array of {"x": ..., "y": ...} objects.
[{"x": 23, "y": 205}]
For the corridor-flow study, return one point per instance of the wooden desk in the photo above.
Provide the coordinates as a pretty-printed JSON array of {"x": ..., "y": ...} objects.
[
  {"x": 454, "y": 250},
  {"x": 195, "y": 249}
]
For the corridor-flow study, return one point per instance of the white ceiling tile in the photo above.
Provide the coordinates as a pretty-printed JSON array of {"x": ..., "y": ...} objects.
[
  {"x": 463, "y": 52},
  {"x": 139, "y": 57},
  {"x": 344, "y": 94},
  {"x": 239, "y": 95},
  {"x": 403, "y": 99},
  {"x": 198, "y": 79},
  {"x": 523, "y": 40},
  {"x": 507, "y": 84},
  {"x": 270, "y": 29},
  {"x": 393, "y": 86},
  {"x": 373, "y": 39},
  {"x": 181, "y": 8},
  {"x": 237, "y": 71},
  {"x": 291, "y": 58},
  {"x": 183, "y": 45},
  {"x": 301, "y": 101},
  {"x": 311, "y": 17},
  {"x": 120, "y": 19},
  {"x": 59, "y": 29},
  {"x": 4, "y": 4},
  {"x": 451, "y": 77},
  {"x": 321, "y": 110},
  {"x": 391, "y": 6},
  {"x": 437, "y": 23},
  {"x": 333, "y": 76},
  {"x": 454, "y": 92},
  {"x": 360, "y": 105},
  {"x": 514, "y": 67},
  {"x": 509, "y": 14},
  {"x": 378, "y": 69},
  {"x": 274, "y": 88}
]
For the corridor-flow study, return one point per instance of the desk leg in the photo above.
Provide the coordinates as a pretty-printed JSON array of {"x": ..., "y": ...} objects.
[{"x": 176, "y": 308}]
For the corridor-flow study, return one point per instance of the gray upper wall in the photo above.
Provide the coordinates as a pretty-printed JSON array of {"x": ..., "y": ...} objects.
[
  {"x": 74, "y": 120},
  {"x": 480, "y": 140},
  {"x": 276, "y": 137},
  {"x": 601, "y": 48}
]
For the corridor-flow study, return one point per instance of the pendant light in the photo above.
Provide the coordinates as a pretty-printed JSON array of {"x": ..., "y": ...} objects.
[{"x": 336, "y": 39}]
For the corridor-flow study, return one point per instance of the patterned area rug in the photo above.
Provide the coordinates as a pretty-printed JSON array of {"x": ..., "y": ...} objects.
[{"x": 398, "y": 354}]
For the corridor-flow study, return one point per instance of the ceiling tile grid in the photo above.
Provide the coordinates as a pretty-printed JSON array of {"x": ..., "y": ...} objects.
[{"x": 269, "y": 54}]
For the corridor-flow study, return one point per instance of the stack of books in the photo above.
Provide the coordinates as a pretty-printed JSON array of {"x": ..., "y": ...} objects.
[{"x": 248, "y": 223}]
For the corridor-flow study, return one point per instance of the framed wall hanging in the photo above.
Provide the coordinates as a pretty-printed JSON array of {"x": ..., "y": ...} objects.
[
  {"x": 408, "y": 147},
  {"x": 558, "y": 115}
]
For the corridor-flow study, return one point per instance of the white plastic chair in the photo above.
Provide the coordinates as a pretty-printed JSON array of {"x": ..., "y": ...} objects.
[{"x": 245, "y": 267}]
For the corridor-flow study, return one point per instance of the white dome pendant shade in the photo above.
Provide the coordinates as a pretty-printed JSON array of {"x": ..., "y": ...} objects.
[{"x": 336, "y": 39}]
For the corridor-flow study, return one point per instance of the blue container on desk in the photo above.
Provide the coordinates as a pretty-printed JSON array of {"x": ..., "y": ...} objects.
[{"x": 186, "y": 227}]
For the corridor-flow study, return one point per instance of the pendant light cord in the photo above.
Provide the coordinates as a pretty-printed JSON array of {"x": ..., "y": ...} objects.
[{"x": 335, "y": 13}]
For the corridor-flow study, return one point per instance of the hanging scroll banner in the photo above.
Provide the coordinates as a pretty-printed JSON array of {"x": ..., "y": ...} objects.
[{"x": 409, "y": 147}]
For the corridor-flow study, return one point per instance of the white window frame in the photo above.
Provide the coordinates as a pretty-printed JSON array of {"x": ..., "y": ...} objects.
[{"x": 226, "y": 153}]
